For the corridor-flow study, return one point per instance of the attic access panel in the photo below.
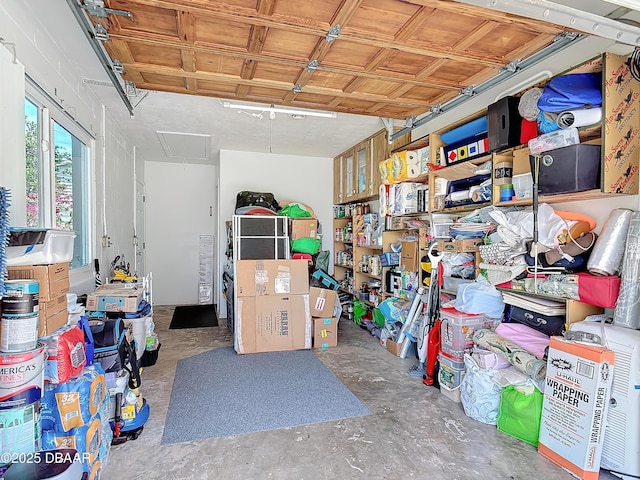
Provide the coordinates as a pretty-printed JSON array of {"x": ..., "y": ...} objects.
[{"x": 384, "y": 53}]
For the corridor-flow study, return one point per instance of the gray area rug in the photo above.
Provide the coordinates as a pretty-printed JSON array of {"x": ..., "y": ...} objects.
[{"x": 220, "y": 393}]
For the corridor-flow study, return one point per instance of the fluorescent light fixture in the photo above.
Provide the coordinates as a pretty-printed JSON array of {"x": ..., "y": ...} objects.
[
  {"x": 632, "y": 4},
  {"x": 272, "y": 109}
]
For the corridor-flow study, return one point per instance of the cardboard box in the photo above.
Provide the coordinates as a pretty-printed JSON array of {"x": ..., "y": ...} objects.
[
  {"x": 114, "y": 297},
  {"x": 54, "y": 279},
  {"x": 322, "y": 302},
  {"x": 272, "y": 323},
  {"x": 469, "y": 245},
  {"x": 410, "y": 256},
  {"x": 575, "y": 404},
  {"x": 271, "y": 277},
  {"x": 46, "y": 326},
  {"x": 325, "y": 332},
  {"x": 394, "y": 347},
  {"x": 52, "y": 307},
  {"x": 303, "y": 228}
]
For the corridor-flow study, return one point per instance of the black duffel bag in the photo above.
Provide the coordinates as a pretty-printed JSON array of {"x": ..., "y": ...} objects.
[
  {"x": 114, "y": 352},
  {"x": 257, "y": 199}
]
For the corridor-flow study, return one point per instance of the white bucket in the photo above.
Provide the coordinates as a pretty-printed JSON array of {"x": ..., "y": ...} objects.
[{"x": 139, "y": 331}]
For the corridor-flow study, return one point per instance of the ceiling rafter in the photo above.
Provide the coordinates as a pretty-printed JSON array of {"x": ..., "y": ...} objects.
[
  {"x": 389, "y": 58},
  {"x": 343, "y": 15},
  {"x": 306, "y": 26},
  {"x": 232, "y": 79},
  {"x": 241, "y": 53},
  {"x": 185, "y": 23}
]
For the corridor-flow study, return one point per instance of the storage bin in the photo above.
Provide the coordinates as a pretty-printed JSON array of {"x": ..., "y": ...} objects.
[
  {"x": 452, "y": 283},
  {"x": 456, "y": 331},
  {"x": 451, "y": 393},
  {"x": 29, "y": 246},
  {"x": 568, "y": 169},
  {"x": 451, "y": 371},
  {"x": 523, "y": 185}
]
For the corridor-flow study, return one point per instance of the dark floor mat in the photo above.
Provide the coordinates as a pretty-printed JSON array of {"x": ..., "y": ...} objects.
[{"x": 194, "y": 316}]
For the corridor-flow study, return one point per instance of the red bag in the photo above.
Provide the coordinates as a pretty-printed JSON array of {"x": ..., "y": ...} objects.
[
  {"x": 65, "y": 354},
  {"x": 601, "y": 291}
]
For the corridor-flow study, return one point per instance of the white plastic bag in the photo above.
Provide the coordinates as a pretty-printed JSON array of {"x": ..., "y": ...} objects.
[
  {"x": 480, "y": 297},
  {"x": 479, "y": 394}
]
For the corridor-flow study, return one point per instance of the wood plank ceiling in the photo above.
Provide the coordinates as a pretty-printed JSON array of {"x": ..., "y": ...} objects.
[{"x": 390, "y": 58}]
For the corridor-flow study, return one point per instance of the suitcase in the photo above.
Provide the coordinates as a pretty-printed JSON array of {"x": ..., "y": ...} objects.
[
  {"x": 547, "y": 324},
  {"x": 575, "y": 168}
]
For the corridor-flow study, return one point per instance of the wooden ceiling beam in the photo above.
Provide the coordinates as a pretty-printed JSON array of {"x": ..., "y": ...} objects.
[
  {"x": 281, "y": 60},
  {"x": 285, "y": 86},
  {"x": 344, "y": 13},
  {"x": 235, "y": 14}
]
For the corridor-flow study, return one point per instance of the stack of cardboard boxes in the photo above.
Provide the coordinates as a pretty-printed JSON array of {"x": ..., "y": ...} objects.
[
  {"x": 325, "y": 320},
  {"x": 273, "y": 306},
  {"x": 53, "y": 289},
  {"x": 278, "y": 311}
]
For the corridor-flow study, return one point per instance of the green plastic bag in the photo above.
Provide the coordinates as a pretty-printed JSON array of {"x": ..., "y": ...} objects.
[
  {"x": 520, "y": 412},
  {"x": 294, "y": 210},
  {"x": 359, "y": 310},
  {"x": 306, "y": 245},
  {"x": 378, "y": 317}
]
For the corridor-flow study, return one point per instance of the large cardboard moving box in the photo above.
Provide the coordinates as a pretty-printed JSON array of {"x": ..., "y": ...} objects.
[
  {"x": 271, "y": 277},
  {"x": 272, "y": 323},
  {"x": 575, "y": 404}
]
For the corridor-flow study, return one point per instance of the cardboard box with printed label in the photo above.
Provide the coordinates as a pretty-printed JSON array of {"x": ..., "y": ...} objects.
[
  {"x": 53, "y": 279},
  {"x": 271, "y": 277},
  {"x": 575, "y": 405},
  {"x": 303, "y": 228},
  {"x": 272, "y": 323},
  {"x": 322, "y": 302},
  {"x": 114, "y": 297},
  {"x": 325, "y": 332},
  {"x": 469, "y": 245}
]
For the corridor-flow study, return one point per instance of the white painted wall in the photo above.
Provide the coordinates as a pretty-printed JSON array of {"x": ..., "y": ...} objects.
[
  {"x": 181, "y": 201},
  {"x": 112, "y": 160},
  {"x": 308, "y": 180}
]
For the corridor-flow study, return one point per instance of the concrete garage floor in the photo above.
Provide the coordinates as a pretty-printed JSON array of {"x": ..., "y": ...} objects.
[{"x": 414, "y": 431}]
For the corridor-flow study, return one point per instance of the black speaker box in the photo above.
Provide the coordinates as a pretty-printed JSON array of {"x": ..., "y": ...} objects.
[
  {"x": 504, "y": 123},
  {"x": 575, "y": 168}
]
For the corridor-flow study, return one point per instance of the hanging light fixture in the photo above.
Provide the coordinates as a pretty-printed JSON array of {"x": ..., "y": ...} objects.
[{"x": 272, "y": 109}]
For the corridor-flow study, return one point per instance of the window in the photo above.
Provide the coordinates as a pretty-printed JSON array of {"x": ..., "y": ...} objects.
[{"x": 57, "y": 168}]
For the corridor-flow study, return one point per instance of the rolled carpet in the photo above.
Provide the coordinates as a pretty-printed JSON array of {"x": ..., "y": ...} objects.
[{"x": 522, "y": 360}]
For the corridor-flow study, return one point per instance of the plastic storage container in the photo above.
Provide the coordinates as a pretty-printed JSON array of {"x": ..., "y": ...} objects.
[
  {"x": 39, "y": 246},
  {"x": 451, "y": 371},
  {"x": 523, "y": 185},
  {"x": 451, "y": 393},
  {"x": 456, "y": 331}
]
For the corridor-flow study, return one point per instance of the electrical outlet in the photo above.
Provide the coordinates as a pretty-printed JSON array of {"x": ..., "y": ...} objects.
[{"x": 106, "y": 241}]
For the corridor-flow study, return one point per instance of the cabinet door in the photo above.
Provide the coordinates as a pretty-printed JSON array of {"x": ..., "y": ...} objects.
[
  {"x": 362, "y": 176},
  {"x": 349, "y": 175},
  {"x": 379, "y": 152},
  {"x": 338, "y": 180}
]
